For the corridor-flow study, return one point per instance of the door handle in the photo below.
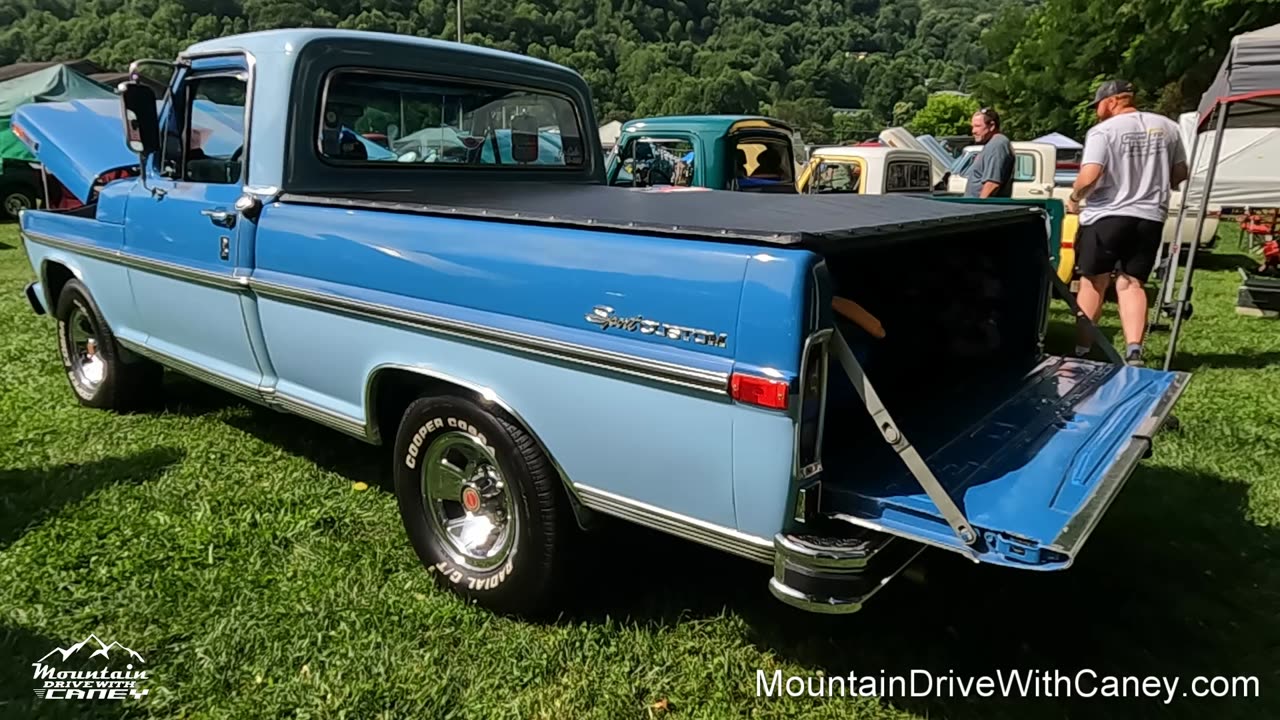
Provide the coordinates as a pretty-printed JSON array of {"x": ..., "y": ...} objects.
[
  {"x": 1034, "y": 191},
  {"x": 221, "y": 218}
]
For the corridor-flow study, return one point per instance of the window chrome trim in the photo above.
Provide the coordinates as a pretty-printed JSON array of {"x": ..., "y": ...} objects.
[
  {"x": 681, "y": 375},
  {"x": 251, "y": 66},
  {"x": 682, "y": 526}
]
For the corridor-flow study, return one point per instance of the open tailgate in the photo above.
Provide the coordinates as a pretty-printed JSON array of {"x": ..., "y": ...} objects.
[{"x": 1033, "y": 476}]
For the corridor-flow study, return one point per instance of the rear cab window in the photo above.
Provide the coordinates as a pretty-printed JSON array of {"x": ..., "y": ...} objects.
[
  {"x": 393, "y": 118},
  {"x": 656, "y": 161},
  {"x": 908, "y": 176},
  {"x": 761, "y": 162}
]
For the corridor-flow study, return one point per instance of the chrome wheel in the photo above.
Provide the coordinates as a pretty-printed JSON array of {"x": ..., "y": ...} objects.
[
  {"x": 86, "y": 362},
  {"x": 468, "y": 503}
]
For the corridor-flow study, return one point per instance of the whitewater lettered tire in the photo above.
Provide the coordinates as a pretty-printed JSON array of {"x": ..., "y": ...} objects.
[
  {"x": 481, "y": 504},
  {"x": 96, "y": 367}
]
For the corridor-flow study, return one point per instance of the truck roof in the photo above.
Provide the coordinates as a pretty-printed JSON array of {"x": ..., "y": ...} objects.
[
  {"x": 869, "y": 151},
  {"x": 718, "y": 124},
  {"x": 265, "y": 42}
]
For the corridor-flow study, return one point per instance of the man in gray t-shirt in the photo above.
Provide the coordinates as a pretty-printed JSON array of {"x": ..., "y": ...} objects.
[
  {"x": 992, "y": 172},
  {"x": 1132, "y": 161}
]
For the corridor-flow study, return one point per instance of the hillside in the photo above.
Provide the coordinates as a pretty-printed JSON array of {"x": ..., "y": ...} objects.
[{"x": 1035, "y": 60}]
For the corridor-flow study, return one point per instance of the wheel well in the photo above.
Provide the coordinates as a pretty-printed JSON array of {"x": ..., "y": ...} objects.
[
  {"x": 391, "y": 390},
  {"x": 56, "y": 276}
]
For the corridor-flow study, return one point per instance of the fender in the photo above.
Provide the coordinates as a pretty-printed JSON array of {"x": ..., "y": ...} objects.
[{"x": 373, "y": 433}]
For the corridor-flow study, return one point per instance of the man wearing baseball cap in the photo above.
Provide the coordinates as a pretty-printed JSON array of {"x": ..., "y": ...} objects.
[{"x": 1132, "y": 161}]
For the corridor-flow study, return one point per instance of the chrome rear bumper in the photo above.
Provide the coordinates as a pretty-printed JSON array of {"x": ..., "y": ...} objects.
[{"x": 836, "y": 575}]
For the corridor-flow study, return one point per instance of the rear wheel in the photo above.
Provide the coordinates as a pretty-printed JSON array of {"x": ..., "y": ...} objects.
[
  {"x": 481, "y": 505},
  {"x": 95, "y": 365}
]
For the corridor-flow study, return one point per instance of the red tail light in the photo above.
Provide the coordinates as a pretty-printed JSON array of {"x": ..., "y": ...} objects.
[
  {"x": 19, "y": 132},
  {"x": 763, "y": 392}
]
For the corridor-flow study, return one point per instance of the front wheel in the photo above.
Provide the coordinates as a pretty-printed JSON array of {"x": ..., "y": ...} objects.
[
  {"x": 99, "y": 373},
  {"x": 480, "y": 504}
]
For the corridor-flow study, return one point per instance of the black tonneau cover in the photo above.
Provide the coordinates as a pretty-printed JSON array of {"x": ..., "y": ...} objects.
[{"x": 775, "y": 219}]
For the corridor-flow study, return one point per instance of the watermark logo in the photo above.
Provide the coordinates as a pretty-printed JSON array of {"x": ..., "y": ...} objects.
[{"x": 91, "y": 670}]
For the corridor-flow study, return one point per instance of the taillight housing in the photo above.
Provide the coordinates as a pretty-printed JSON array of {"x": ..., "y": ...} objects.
[{"x": 759, "y": 391}]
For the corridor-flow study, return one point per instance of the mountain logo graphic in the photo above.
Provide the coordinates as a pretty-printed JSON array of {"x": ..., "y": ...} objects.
[{"x": 100, "y": 649}]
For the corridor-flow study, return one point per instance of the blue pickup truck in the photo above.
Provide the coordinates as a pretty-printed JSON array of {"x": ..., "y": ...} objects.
[{"x": 543, "y": 351}]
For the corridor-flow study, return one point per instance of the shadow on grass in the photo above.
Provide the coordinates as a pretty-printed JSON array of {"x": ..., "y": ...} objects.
[
  {"x": 1225, "y": 262},
  {"x": 353, "y": 459},
  {"x": 1246, "y": 360},
  {"x": 1175, "y": 583},
  {"x": 20, "y": 648},
  {"x": 191, "y": 398},
  {"x": 28, "y": 496}
]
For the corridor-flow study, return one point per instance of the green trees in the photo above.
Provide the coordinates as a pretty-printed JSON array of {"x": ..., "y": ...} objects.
[
  {"x": 816, "y": 62},
  {"x": 798, "y": 58},
  {"x": 945, "y": 115},
  {"x": 1049, "y": 58}
]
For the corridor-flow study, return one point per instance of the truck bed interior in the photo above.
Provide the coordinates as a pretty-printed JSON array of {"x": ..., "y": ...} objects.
[{"x": 959, "y": 365}]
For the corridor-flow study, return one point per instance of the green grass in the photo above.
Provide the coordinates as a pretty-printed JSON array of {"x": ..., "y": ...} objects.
[{"x": 226, "y": 543}]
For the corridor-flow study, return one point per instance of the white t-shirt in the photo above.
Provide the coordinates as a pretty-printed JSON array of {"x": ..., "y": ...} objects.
[{"x": 1137, "y": 151}]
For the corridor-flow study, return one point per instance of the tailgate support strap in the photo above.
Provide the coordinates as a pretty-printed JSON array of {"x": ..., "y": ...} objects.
[{"x": 898, "y": 441}]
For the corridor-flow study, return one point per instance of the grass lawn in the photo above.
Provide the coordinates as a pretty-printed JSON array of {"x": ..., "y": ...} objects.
[{"x": 227, "y": 544}]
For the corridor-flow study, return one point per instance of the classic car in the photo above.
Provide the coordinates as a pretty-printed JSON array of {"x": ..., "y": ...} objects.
[{"x": 774, "y": 375}]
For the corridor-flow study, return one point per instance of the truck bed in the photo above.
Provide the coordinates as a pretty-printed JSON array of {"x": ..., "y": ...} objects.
[{"x": 782, "y": 220}]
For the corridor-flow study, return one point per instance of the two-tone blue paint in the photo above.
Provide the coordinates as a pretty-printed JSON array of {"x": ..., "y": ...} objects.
[{"x": 313, "y": 303}]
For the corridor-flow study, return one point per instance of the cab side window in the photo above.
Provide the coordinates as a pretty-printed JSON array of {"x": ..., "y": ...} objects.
[
  {"x": 204, "y": 133},
  {"x": 1024, "y": 168},
  {"x": 646, "y": 162}
]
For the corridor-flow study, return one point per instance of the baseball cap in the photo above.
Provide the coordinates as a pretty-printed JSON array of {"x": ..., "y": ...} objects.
[{"x": 1111, "y": 88}]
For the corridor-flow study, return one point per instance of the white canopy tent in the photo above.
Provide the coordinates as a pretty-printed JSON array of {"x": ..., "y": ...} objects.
[
  {"x": 1059, "y": 141},
  {"x": 1248, "y": 169},
  {"x": 1244, "y": 95}
]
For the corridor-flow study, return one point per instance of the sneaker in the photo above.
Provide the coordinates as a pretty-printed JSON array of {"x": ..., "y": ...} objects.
[{"x": 1134, "y": 359}]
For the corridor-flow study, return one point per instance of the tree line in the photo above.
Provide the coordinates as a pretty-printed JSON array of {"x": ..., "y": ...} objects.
[{"x": 838, "y": 69}]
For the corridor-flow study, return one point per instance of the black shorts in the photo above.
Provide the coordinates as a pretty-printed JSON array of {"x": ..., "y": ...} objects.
[{"x": 1118, "y": 244}]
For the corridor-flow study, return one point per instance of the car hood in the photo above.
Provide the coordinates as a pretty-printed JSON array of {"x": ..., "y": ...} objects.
[{"x": 76, "y": 141}]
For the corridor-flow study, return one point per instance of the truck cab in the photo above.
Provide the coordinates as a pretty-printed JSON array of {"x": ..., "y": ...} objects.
[
  {"x": 866, "y": 170},
  {"x": 719, "y": 152}
]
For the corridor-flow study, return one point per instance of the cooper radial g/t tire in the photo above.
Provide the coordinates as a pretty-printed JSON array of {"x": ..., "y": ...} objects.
[
  {"x": 93, "y": 360},
  {"x": 481, "y": 504}
]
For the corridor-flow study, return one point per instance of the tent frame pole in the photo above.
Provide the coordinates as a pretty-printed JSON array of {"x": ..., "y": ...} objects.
[
  {"x": 1184, "y": 294},
  {"x": 1168, "y": 266}
]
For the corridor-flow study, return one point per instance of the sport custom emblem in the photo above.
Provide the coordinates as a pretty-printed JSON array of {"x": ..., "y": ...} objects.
[{"x": 604, "y": 317}]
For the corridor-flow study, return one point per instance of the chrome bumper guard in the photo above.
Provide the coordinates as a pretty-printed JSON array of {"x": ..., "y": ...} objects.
[{"x": 836, "y": 575}]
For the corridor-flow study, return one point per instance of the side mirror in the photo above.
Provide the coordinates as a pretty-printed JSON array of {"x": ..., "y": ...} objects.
[{"x": 141, "y": 124}]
